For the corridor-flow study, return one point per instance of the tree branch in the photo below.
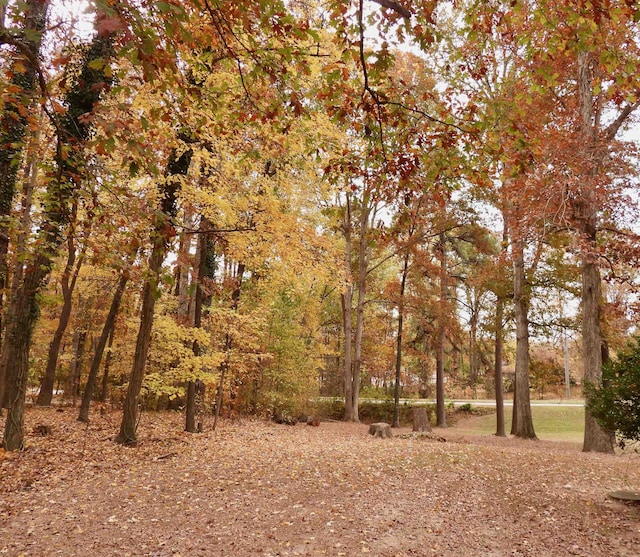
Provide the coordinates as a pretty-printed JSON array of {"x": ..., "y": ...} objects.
[
  {"x": 613, "y": 128},
  {"x": 390, "y": 5}
]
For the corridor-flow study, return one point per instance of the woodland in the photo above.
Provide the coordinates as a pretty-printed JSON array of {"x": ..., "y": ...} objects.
[{"x": 233, "y": 208}]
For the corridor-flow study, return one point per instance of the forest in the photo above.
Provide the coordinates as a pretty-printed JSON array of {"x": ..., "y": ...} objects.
[{"x": 238, "y": 207}]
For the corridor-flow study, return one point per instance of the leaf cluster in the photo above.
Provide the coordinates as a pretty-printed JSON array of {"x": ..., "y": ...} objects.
[{"x": 616, "y": 402}]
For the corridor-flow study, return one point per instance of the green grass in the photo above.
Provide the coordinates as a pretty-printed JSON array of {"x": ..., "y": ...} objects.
[{"x": 551, "y": 423}]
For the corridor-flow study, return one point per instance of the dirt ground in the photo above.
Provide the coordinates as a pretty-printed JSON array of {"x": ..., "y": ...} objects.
[{"x": 255, "y": 488}]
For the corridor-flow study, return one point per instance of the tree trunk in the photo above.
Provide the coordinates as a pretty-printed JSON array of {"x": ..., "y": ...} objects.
[
  {"x": 523, "y": 421},
  {"x": 13, "y": 128},
  {"x": 441, "y": 411},
  {"x": 421, "y": 419},
  {"x": 129, "y": 424},
  {"x": 22, "y": 317},
  {"x": 500, "y": 422},
  {"x": 224, "y": 366},
  {"x": 363, "y": 265},
  {"x": 595, "y": 438},
  {"x": 107, "y": 366},
  {"x": 16, "y": 116},
  {"x": 163, "y": 231},
  {"x": 396, "y": 398},
  {"x": 201, "y": 258},
  {"x": 68, "y": 283},
  {"x": 107, "y": 333},
  {"x": 75, "y": 371},
  {"x": 347, "y": 324}
]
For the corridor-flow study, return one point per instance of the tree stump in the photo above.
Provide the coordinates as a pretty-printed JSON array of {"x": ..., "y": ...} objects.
[
  {"x": 381, "y": 430},
  {"x": 42, "y": 430},
  {"x": 421, "y": 419}
]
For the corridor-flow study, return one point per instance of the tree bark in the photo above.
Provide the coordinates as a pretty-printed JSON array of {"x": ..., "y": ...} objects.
[
  {"x": 22, "y": 317},
  {"x": 15, "y": 116},
  {"x": 441, "y": 411},
  {"x": 224, "y": 366},
  {"x": 201, "y": 258},
  {"x": 107, "y": 366},
  {"x": 13, "y": 128},
  {"x": 523, "y": 421},
  {"x": 363, "y": 265},
  {"x": 347, "y": 324},
  {"x": 73, "y": 132},
  {"x": 500, "y": 422},
  {"x": 396, "y": 393},
  {"x": 163, "y": 230},
  {"x": 595, "y": 438},
  {"x": 68, "y": 283}
]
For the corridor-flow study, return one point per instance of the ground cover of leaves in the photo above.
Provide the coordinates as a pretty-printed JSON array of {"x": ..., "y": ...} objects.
[{"x": 256, "y": 488}]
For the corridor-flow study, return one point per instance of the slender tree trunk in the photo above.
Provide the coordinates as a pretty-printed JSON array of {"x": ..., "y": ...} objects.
[
  {"x": 107, "y": 333},
  {"x": 441, "y": 411},
  {"x": 522, "y": 406},
  {"x": 129, "y": 424},
  {"x": 473, "y": 345},
  {"x": 347, "y": 324},
  {"x": 364, "y": 256},
  {"x": 224, "y": 366},
  {"x": 73, "y": 132},
  {"x": 163, "y": 230},
  {"x": 500, "y": 422},
  {"x": 201, "y": 258},
  {"x": 75, "y": 372},
  {"x": 68, "y": 283},
  {"x": 403, "y": 282},
  {"x": 107, "y": 365}
]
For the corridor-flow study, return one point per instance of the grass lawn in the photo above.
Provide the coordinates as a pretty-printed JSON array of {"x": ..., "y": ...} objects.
[{"x": 551, "y": 423}]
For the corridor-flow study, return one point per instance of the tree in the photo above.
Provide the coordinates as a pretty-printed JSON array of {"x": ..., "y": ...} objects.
[
  {"x": 615, "y": 402},
  {"x": 17, "y": 99},
  {"x": 177, "y": 167},
  {"x": 74, "y": 131}
]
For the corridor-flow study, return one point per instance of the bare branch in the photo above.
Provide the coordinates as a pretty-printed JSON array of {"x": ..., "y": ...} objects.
[{"x": 613, "y": 128}]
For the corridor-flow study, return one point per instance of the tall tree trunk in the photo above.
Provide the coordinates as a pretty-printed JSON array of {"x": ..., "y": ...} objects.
[
  {"x": 22, "y": 317},
  {"x": 68, "y": 283},
  {"x": 522, "y": 406},
  {"x": 201, "y": 261},
  {"x": 73, "y": 132},
  {"x": 595, "y": 438},
  {"x": 75, "y": 370},
  {"x": 441, "y": 411},
  {"x": 15, "y": 114},
  {"x": 107, "y": 333},
  {"x": 104, "y": 390},
  {"x": 473, "y": 344},
  {"x": 500, "y": 422},
  {"x": 224, "y": 366},
  {"x": 396, "y": 392},
  {"x": 347, "y": 323},
  {"x": 177, "y": 167},
  {"x": 13, "y": 128}
]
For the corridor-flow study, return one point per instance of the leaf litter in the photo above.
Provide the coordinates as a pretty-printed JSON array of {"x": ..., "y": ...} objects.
[{"x": 257, "y": 488}]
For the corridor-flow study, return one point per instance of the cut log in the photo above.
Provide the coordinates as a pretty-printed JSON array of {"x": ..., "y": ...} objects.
[
  {"x": 421, "y": 419},
  {"x": 380, "y": 429}
]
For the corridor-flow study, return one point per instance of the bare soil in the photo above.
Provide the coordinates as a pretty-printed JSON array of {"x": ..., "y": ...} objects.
[{"x": 256, "y": 488}]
